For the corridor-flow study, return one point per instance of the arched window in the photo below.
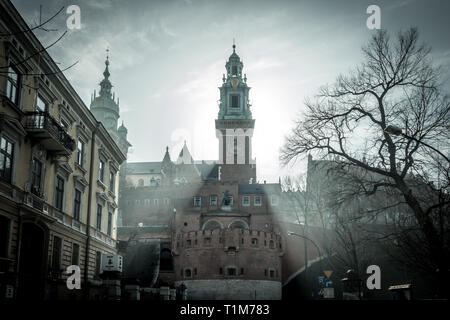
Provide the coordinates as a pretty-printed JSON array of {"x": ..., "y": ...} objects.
[
  {"x": 165, "y": 260},
  {"x": 211, "y": 225},
  {"x": 153, "y": 182},
  {"x": 238, "y": 224}
]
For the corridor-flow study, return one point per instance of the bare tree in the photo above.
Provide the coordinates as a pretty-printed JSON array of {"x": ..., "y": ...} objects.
[{"x": 396, "y": 85}]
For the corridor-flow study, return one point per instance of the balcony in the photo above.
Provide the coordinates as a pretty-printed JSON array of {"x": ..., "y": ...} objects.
[{"x": 44, "y": 128}]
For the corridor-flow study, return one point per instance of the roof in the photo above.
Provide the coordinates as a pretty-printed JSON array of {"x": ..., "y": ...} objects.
[
  {"x": 208, "y": 171},
  {"x": 257, "y": 188},
  {"x": 144, "y": 167}
]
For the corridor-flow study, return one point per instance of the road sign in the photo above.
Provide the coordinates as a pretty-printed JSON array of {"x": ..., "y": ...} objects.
[{"x": 328, "y": 293}]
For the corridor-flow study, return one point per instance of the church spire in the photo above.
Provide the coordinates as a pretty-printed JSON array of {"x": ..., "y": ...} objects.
[{"x": 105, "y": 84}]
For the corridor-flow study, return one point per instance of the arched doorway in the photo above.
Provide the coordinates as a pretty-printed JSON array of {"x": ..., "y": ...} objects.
[
  {"x": 32, "y": 262},
  {"x": 165, "y": 260}
]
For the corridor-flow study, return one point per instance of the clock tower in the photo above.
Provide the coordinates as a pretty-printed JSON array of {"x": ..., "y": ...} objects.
[{"x": 234, "y": 124}]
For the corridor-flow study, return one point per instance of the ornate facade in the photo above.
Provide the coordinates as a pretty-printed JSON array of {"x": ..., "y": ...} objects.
[{"x": 58, "y": 174}]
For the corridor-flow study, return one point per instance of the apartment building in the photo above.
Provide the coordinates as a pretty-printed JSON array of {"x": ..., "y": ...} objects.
[{"x": 59, "y": 174}]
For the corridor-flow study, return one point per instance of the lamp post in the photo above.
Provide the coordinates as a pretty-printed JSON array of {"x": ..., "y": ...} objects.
[
  {"x": 290, "y": 233},
  {"x": 396, "y": 131}
]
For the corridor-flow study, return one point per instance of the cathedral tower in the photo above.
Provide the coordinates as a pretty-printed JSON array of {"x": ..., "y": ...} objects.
[
  {"x": 105, "y": 108},
  {"x": 234, "y": 124}
]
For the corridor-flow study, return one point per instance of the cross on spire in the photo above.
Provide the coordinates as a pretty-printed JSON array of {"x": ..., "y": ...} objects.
[{"x": 234, "y": 46}]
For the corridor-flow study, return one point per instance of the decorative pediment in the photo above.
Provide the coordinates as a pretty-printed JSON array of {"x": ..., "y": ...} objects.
[
  {"x": 114, "y": 165},
  {"x": 44, "y": 88},
  {"x": 63, "y": 168},
  {"x": 82, "y": 132},
  {"x": 112, "y": 205},
  {"x": 103, "y": 153},
  {"x": 102, "y": 197},
  {"x": 12, "y": 124},
  {"x": 67, "y": 113},
  {"x": 80, "y": 182}
]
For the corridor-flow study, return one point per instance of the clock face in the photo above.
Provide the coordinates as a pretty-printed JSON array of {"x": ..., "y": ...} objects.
[{"x": 234, "y": 83}]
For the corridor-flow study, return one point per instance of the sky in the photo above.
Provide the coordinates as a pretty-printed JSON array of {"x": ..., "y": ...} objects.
[{"x": 167, "y": 58}]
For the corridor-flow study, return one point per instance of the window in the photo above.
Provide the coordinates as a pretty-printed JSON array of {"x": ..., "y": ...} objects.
[
  {"x": 98, "y": 262},
  {"x": 12, "y": 85},
  {"x": 195, "y": 271},
  {"x": 197, "y": 201},
  {"x": 59, "y": 197},
  {"x": 166, "y": 201},
  {"x": 242, "y": 240},
  {"x": 220, "y": 271},
  {"x": 56, "y": 253},
  {"x": 257, "y": 201},
  {"x": 188, "y": 243},
  {"x": 231, "y": 200},
  {"x": 110, "y": 216},
  {"x": 234, "y": 71},
  {"x": 207, "y": 241},
  {"x": 272, "y": 273},
  {"x": 147, "y": 202},
  {"x": 6, "y": 159},
  {"x": 235, "y": 101},
  {"x": 99, "y": 216},
  {"x": 155, "y": 202},
  {"x": 246, "y": 201},
  {"x": 254, "y": 241},
  {"x": 242, "y": 271},
  {"x": 75, "y": 254},
  {"x": 112, "y": 177},
  {"x": 187, "y": 273},
  {"x": 274, "y": 200},
  {"x": 271, "y": 244},
  {"x": 80, "y": 152},
  {"x": 101, "y": 171},
  {"x": 231, "y": 271},
  {"x": 265, "y": 272},
  {"x": 213, "y": 200},
  {"x": 77, "y": 205},
  {"x": 36, "y": 175},
  {"x": 40, "y": 104}
]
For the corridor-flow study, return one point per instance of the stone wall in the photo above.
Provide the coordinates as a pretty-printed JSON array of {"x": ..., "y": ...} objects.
[{"x": 230, "y": 289}]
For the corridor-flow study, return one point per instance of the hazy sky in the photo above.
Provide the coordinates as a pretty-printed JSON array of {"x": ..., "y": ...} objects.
[{"x": 167, "y": 60}]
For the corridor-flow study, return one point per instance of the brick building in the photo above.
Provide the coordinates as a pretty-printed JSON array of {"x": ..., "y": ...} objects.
[{"x": 207, "y": 224}]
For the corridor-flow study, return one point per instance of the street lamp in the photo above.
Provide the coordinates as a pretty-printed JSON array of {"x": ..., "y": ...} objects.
[
  {"x": 290, "y": 233},
  {"x": 396, "y": 131}
]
